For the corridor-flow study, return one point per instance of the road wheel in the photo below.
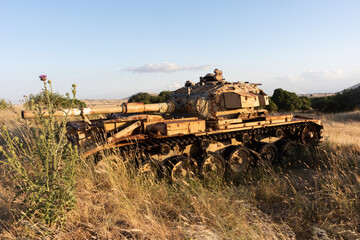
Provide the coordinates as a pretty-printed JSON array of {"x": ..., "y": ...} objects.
[
  {"x": 238, "y": 162},
  {"x": 213, "y": 166},
  {"x": 288, "y": 150},
  {"x": 309, "y": 135},
  {"x": 150, "y": 169},
  {"x": 268, "y": 153},
  {"x": 184, "y": 168}
]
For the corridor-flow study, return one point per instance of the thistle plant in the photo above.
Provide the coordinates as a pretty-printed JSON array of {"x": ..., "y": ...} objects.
[{"x": 42, "y": 165}]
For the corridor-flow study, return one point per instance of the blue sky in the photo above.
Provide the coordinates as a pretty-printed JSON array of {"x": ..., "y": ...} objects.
[{"x": 112, "y": 49}]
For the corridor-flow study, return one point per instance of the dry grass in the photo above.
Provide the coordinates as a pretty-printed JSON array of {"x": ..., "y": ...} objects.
[
  {"x": 116, "y": 203},
  {"x": 343, "y": 129},
  {"x": 9, "y": 118},
  {"x": 319, "y": 191},
  {"x": 341, "y": 133}
]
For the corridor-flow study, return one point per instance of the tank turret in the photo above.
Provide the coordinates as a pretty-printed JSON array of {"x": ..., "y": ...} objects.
[{"x": 213, "y": 98}]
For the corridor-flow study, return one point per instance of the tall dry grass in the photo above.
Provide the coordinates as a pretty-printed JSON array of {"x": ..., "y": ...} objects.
[
  {"x": 315, "y": 196},
  {"x": 115, "y": 202},
  {"x": 343, "y": 130}
]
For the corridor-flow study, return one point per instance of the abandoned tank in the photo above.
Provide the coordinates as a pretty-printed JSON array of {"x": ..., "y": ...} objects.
[{"x": 211, "y": 128}]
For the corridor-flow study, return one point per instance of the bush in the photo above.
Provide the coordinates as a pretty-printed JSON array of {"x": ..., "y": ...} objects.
[
  {"x": 147, "y": 98},
  {"x": 305, "y": 103},
  {"x": 289, "y": 101},
  {"x": 5, "y": 104},
  {"x": 42, "y": 166},
  {"x": 57, "y": 100},
  {"x": 325, "y": 104},
  {"x": 272, "y": 107}
]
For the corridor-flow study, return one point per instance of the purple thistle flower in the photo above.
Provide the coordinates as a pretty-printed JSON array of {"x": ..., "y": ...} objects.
[{"x": 43, "y": 78}]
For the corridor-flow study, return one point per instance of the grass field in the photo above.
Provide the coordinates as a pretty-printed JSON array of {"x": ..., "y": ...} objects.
[{"x": 317, "y": 195}]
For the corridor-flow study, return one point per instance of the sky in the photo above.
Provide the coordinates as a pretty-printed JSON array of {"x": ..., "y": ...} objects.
[{"x": 112, "y": 49}]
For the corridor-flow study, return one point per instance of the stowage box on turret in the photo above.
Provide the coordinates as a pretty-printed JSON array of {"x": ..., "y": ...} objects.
[{"x": 213, "y": 128}]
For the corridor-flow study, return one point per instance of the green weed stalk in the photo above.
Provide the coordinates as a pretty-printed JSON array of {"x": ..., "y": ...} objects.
[{"x": 43, "y": 165}]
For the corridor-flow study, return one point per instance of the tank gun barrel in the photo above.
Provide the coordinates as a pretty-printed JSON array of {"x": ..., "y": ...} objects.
[{"x": 135, "y": 107}]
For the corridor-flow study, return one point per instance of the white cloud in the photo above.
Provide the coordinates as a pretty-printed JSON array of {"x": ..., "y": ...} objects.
[
  {"x": 324, "y": 75},
  {"x": 174, "y": 86},
  {"x": 316, "y": 81},
  {"x": 164, "y": 67},
  {"x": 314, "y": 76},
  {"x": 288, "y": 78},
  {"x": 318, "y": 76}
]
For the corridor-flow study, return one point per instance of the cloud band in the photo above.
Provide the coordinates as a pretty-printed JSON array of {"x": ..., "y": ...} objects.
[{"x": 165, "y": 67}]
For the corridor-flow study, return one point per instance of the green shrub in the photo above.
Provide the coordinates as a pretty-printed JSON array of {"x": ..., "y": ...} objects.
[
  {"x": 289, "y": 101},
  {"x": 147, "y": 98},
  {"x": 272, "y": 107},
  {"x": 42, "y": 165},
  {"x": 57, "y": 100},
  {"x": 347, "y": 100},
  {"x": 5, "y": 104},
  {"x": 305, "y": 103},
  {"x": 325, "y": 104},
  {"x": 163, "y": 96}
]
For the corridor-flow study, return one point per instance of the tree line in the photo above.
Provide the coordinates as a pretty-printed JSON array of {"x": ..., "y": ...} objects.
[
  {"x": 347, "y": 100},
  {"x": 285, "y": 101}
]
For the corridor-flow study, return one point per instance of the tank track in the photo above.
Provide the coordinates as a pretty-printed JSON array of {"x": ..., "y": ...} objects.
[{"x": 142, "y": 150}]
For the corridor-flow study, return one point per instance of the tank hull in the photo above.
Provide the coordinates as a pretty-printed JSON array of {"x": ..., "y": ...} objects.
[{"x": 144, "y": 134}]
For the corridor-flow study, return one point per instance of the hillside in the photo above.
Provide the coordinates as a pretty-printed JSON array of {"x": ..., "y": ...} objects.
[
  {"x": 355, "y": 86},
  {"x": 316, "y": 95}
]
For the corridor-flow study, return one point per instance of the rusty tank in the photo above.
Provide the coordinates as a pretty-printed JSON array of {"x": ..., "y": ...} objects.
[{"x": 211, "y": 128}]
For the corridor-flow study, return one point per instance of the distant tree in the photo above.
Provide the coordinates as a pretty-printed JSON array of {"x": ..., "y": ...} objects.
[
  {"x": 272, "y": 107},
  {"x": 286, "y": 101},
  {"x": 325, "y": 104},
  {"x": 305, "y": 103},
  {"x": 147, "y": 98},
  {"x": 140, "y": 97},
  {"x": 289, "y": 101},
  {"x": 163, "y": 96},
  {"x": 347, "y": 100}
]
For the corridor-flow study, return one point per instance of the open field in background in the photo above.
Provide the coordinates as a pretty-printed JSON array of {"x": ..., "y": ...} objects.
[
  {"x": 343, "y": 129},
  {"x": 104, "y": 103},
  {"x": 316, "y": 196}
]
